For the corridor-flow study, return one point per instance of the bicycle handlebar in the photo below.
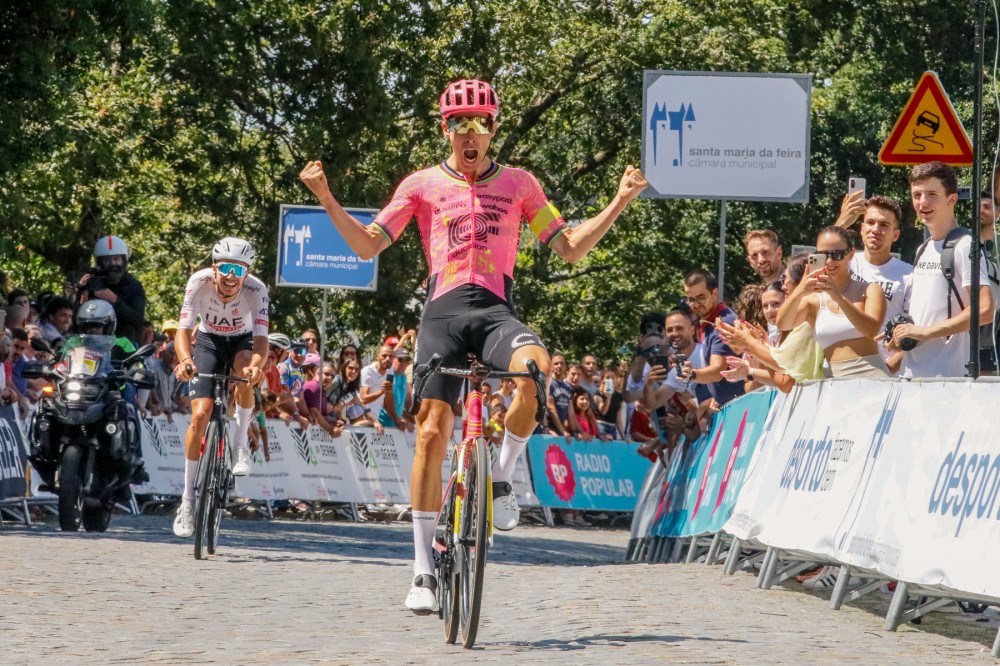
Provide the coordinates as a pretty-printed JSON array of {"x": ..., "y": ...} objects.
[{"x": 480, "y": 372}]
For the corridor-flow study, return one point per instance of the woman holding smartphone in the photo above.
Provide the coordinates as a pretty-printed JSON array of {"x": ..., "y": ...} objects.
[{"x": 846, "y": 315}]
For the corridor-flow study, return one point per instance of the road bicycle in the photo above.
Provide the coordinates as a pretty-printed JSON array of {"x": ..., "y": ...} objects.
[
  {"x": 465, "y": 520},
  {"x": 215, "y": 469}
]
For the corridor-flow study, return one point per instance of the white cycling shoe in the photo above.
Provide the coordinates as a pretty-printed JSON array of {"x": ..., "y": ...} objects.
[
  {"x": 184, "y": 521},
  {"x": 422, "y": 598},
  {"x": 242, "y": 466},
  {"x": 506, "y": 513}
]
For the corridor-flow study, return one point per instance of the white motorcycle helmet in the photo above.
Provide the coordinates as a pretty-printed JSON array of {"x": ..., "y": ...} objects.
[
  {"x": 111, "y": 246},
  {"x": 234, "y": 249}
]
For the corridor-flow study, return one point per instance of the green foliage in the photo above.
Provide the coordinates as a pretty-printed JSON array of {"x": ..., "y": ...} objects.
[{"x": 172, "y": 124}]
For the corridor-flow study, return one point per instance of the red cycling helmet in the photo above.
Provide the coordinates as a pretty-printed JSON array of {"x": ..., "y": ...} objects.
[{"x": 469, "y": 96}]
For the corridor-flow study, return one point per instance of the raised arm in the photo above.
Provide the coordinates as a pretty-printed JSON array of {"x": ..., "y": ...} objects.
[
  {"x": 366, "y": 241},
  {"x": 574, "y": 244}
]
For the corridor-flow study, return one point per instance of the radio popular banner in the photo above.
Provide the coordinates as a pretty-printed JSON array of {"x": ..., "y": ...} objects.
[
  {"x": 596, "y": 475},
  {"x": 13, "y": 455}
]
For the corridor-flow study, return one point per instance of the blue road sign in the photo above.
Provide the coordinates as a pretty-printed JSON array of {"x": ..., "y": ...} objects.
[{"x": 312, "y": 253}]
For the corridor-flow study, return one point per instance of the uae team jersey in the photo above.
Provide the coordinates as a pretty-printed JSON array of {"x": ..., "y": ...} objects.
[
  {"x": 247, "y": 314},
  {"x": 470, "y": 231}
]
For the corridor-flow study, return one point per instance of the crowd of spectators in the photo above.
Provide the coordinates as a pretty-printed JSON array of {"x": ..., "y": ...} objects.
[{"x": 850, "y": 308}]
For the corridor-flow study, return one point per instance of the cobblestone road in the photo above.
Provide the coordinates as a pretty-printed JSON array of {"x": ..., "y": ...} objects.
[{"x": 291, "y": 592}]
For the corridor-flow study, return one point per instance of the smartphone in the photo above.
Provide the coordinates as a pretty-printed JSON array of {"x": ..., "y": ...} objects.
[
  {"x": 661, "y": 359},
  {"x": 680, "y": 360},
  {"x": 815, "y": 262},
  {"x": 855, "y": 184},
  {"x": 609, "y": 385}
]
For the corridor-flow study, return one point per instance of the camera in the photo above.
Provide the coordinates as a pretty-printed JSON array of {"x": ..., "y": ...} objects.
[
  {"x": 906, "y": 344},
  {"x": 679, "y": 361},
  {"x": 98, "y": 279}
]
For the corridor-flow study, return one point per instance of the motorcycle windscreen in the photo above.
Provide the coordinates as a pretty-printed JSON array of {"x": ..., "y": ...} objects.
[{"x": 91, "y": 357}]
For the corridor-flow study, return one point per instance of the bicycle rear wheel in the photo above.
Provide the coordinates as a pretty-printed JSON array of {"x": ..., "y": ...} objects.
[
  {"x": 474, "y": 541},
  {"x": 206, "y": 489},
  {"x": 446, "y": 571}
]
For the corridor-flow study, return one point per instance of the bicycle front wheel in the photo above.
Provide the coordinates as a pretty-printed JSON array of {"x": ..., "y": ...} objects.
[
  {"x": 474, "y": 540},
  {"x": 223, "y": 475},
  {"x": 206, "y": 490}
]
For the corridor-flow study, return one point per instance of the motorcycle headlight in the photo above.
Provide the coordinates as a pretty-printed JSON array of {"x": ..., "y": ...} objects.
[
  {"x": 111, "y": 428},
  {"x": 72, "y": 397},
  {"x": 73, "y": 386}
]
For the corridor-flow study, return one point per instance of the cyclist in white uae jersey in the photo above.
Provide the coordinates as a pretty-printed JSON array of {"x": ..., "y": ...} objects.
[{"x": 233, "y": 309}]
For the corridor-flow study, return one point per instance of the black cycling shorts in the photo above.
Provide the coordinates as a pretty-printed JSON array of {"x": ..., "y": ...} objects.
[
  {"x": 215, "y": 354},
  {"x": 468, "y": 320}
]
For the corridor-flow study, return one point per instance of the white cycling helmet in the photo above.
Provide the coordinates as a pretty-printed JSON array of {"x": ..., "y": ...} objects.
[
  {"x": 110, "y": 246},
  {"x": 279, "y": 340},
  {"x": 234, "y": 249}
]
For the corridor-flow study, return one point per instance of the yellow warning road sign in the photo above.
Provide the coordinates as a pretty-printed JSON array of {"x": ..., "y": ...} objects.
[{"x": 927, "y": 130}]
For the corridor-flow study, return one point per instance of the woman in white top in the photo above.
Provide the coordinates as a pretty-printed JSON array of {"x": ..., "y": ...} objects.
[{"x": 846, "y": 315}]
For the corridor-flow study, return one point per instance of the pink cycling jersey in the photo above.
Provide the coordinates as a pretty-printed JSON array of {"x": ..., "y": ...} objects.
[
  {"x": 247, "y": 313},
  {"x": 471, "y": 231}
]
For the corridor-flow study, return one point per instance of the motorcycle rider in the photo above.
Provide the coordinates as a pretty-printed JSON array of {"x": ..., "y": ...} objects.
[
  {"x": 111, "y": 281},
  {"x": 97, "y": 317}
]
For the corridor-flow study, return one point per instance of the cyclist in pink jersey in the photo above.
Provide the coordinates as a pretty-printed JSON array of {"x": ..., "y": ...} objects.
[{"x": 469, "y": 212}]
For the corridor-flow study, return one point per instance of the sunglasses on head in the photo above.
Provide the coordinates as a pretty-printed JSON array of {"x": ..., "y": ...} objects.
[
  {"x": 460, "y": 125},
  {"x": 236, "y": 270},
  {"x": 836, "y": 255}
]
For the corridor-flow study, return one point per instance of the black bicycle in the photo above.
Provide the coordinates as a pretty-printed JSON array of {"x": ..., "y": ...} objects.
[
  {"x": 466, "y": 514},
  {"x": 215, "y": 475}
]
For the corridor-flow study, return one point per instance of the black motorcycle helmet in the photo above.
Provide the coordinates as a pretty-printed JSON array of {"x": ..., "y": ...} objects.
[{"x": 96, "y": 317}]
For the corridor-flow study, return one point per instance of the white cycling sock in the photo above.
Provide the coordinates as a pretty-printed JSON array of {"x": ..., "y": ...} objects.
[
  {"x": 424, "y": 523},
  {"x": 513, "y": 445},
  {"x": 190, "y": 477},
  {"x": 243, "y": 416}
]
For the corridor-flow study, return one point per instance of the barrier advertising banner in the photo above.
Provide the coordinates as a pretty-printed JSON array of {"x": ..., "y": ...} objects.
[
  {"x": 360, "y": 466},
  {"x": 595, "y": 475},
  {"x": 705, "y": 478},
  {"x": 13, "y": 455},
  {"x": 861, "y": 473}
]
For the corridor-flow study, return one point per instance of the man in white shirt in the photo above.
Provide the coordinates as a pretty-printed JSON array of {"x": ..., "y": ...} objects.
[
  {"x": 940, "y": 311},
  {"x": 374, "y": 380},
  {"x": 879, "y": 230}
]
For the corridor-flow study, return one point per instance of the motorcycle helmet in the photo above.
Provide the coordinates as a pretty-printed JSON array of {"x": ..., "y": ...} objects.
[
  {"x": 96, "y": 317},
  {"x": 111, "y": 246},
  {"x": 234, "y": 249},
  {"x": 279, "y": 340}
]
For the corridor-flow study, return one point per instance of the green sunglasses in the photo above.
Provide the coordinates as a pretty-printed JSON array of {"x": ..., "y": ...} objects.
[{"x": 236, "y": 270}]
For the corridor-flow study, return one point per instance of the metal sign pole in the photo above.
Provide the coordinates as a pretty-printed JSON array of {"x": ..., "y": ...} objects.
[
  {"x": 322, "y": 330},
  {"x": 977, "y": 132},
  {"x": 722, "y": 252}
]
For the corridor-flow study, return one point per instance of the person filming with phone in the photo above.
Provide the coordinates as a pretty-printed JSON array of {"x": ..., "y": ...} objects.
[{"x": 846, "y": 314}]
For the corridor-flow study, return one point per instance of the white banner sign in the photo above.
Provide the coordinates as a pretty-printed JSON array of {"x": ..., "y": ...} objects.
[
  {"x": 734, "y": 136},
  {"x": 360, "y": 466},
  {"x": 900, "y": 478}
]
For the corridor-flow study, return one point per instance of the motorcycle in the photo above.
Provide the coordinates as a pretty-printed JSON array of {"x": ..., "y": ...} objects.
[{"x": 85, "y": 438}]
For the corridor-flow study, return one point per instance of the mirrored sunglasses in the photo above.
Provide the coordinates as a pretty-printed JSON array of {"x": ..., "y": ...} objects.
[
  {"x": 460, "y": 125},
  {"x": 236, "y": 270}
]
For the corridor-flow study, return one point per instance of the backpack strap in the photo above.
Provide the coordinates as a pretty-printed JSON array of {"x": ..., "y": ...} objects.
[{"x": 948, "y": 264}]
